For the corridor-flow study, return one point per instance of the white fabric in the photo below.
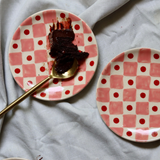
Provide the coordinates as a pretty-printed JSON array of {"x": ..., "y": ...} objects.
[{"x": 73, "y": 129}]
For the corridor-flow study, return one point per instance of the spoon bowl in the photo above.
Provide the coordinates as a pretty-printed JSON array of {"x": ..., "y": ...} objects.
[{"x": 68, "y": 74}]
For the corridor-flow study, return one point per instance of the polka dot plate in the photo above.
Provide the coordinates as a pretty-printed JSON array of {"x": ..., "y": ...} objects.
[
  {"x": 30, "y": 61},
  {"x": 128, "y": 95}
]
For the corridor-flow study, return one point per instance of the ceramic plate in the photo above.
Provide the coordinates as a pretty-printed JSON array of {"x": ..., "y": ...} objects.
[
  {"x": 30, "y": 61},
  {"x": 128, "y": 95}
]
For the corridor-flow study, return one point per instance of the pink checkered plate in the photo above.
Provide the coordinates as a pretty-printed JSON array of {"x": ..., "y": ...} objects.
[
  {"x": 128, "y": 95},
  {"x": 30, "y": 61}
]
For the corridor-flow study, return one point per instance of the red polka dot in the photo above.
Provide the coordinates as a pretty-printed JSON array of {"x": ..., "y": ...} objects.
[
  {"x": 143, "y": 69},
  {"x": 17, "y": 70},
  {"x": 156, "y": 82},
  {"x": 156, "y": 56},
  {"x": 154, "y": 134},
  {"x": 116, "y": 67},
  {"x": 80, "y": 78},
  {"x": 143, "y": 95},
  {"x": 130, "y": 82},
  {"x": 116, "y": 120},
  {"x": 130, "y": 56},
  {"x": 67, "y": 92},
  {"x": 42, "y": 69},
  {"x": 90, "y": 39},
  {"x": 91, "y": 63},
  {"x": 40, "y": 42},
  {"x": 103, "y": 81},
  {"x": 26, "y": 32},
  {"x": 37, "y": 18},
  {"x": 29, "y": 83},
  {"x": 55, "y": 81},
  {"x": 142, "y": 121},
  {"x": 129, "y": 133},
  {"x": 62, "y": 15},
  {"x": 103, "y": 108},
  {"x": 77, "y": 27},
  {"x": 29, "y": 58},
  {"x": 129, "y": 107},
  {"x": 43, "y": 94},
  {"x": 116, "y": 95},
  {"x": 15, "y": 45},
  {"x": 155, "y": 108}
]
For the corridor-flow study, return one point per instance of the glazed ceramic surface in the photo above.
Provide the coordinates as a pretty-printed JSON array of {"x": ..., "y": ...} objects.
[
  {"x": 128, "y": 95},
  {"x": 30, "y": 61}
]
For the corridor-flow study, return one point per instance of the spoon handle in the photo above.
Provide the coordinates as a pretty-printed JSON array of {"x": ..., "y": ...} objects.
[{"x": 24, "y": 96}]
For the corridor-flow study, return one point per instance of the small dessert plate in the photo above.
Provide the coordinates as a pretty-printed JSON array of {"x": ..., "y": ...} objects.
[
  {"x": 30, "y": 61},
  {"x": 128, "y": 95}
]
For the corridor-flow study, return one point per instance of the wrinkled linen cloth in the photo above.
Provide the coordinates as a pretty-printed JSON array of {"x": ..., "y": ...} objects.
[{"x": 72, "y": 129}]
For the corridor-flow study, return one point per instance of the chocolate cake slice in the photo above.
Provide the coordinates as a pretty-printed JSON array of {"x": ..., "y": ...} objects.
[{"x": 61, "y": 38}]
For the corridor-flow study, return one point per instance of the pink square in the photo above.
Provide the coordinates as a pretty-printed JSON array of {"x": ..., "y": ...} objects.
[
  {"x": 78, "y": 88},
  {"x": 79, "y": 39},
  {"x": 68, "y": 82},
  {"x": 92, "y": 50},
  {"x": 40, "y": 56},
  {"x": 16, "y": 35},
  {"x": 155, "y": 69},
  {"x": 116, "y": 108},
  {"x": 116, "y": 81},
  {"x": 142, "y": 108},
  {"x": 27, "y": 45},
  {"x": 41, "y": 78},
  {"x": 49, "y": 16},
  {"x": 129, "y": 94},
  {"x": 107, "y": 69},
  {"x": 143, "y": 82},
  {"x": 86, "y": 28},
  {"x": 29, "y": 70},
  {"x": 154, "y": 95},
  {"x": 103, "y": 94},
  {"x": 142, "y": 134},
  {"x": 119, "y": 58},
  {"x": 89, "y": 75},
  {"x": 28, "y": 21},
  {"x": 130, "y": 68},
  {"x": 15, "y": 58},
  {"x": 118, "y": 130},
  {"x": 55, "y": 93},
  {"x": 82, "y": 66},
  {"x": 50, "y": 64},
  {"x": 154, "y": 121},
  {"x": 144, "y": 55},
  {"x": 129, "y": 120},
  {"x": 19, "y": 80},
  {"x": 39, "y": 30},
  {"x": 105, "y": 118}
]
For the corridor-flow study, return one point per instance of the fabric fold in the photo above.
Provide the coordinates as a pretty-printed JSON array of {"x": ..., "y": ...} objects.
[{"x": 99, "y": 10}]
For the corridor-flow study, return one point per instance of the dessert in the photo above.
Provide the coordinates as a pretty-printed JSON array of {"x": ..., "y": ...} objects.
[{"x": 61, "y": 39}]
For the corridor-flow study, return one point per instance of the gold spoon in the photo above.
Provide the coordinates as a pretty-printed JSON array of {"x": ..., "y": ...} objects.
[{"x": 71, "y": 72}]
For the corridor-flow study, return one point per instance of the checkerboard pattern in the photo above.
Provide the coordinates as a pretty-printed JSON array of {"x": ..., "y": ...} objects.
[
  {"x": 30, "y": 61},
  {"x": 128, "y": 95}
]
